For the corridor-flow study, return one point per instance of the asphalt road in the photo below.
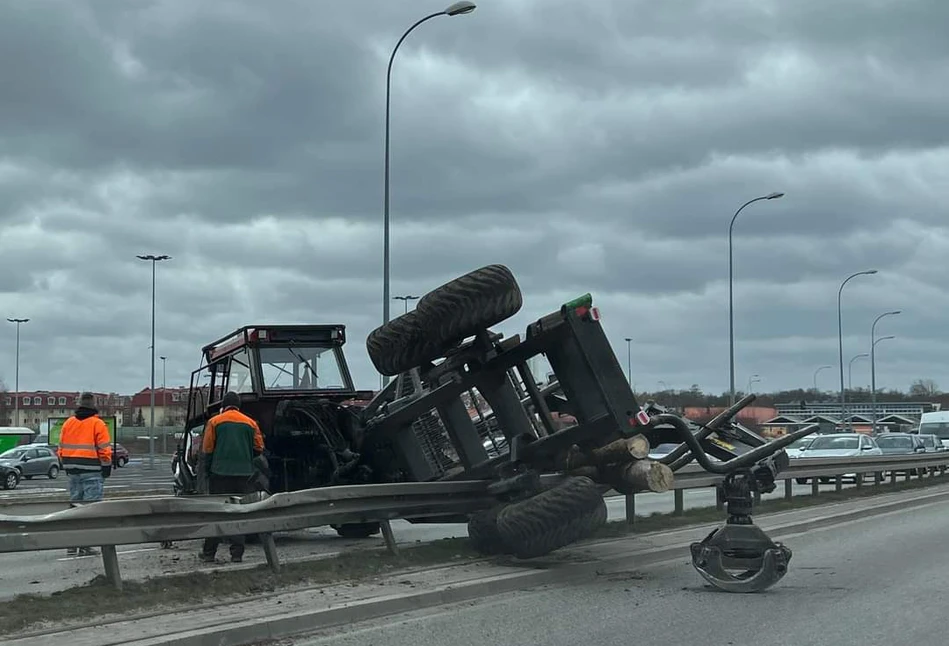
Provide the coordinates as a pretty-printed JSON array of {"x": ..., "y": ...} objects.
[
  {"x": 874, "y": 582},
  {"x": 135, "y": 476},
  {"x": 46, "y": 572}
]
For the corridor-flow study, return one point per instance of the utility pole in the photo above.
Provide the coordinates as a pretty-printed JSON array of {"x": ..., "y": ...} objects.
[
  {"x": 151, "y": 434},
  {"x": 164, "y": 408},
  {"x": 16, "y": 385},
  {"x": 629, "y": 361}
]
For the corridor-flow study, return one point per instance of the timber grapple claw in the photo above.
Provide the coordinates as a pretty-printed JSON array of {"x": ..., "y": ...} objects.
[{"x": 740, "y": 556}]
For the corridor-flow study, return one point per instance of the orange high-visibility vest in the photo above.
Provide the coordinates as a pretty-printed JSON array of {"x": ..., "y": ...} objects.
[{"x": 85, "y": 445}]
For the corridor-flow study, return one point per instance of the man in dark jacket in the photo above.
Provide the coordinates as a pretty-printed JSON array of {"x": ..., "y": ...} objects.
[{"x": 231, "y": 442}]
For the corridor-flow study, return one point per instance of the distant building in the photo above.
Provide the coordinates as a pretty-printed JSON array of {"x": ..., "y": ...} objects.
[
  {"x": 171, "y": 407},
  {"x": 36, "y": 407},
  {"x": 832, "y": 409}
]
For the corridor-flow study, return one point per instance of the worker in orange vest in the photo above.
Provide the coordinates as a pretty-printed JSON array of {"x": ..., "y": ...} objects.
[
  {"x": 85, "y": 449},
  {"x": 231, "y": 442}
]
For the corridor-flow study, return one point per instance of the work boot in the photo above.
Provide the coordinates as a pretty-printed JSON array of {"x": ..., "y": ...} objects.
[
  {"x": 237, "y": 558},
  {"x": 206, "y": 558}
]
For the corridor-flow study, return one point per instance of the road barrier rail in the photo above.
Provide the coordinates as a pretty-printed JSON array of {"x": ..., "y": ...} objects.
[{"x": 58, "y": 525}]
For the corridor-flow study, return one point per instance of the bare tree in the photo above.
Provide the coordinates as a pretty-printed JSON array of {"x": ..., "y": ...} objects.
[{"x": 924, "y": 388}]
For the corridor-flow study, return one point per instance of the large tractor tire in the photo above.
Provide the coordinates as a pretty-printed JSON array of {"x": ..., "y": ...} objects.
[
  {"x": 471, "y": 303},
  {"x": 400, "y": 345},
  {"x": 483, "y": 532},
  {"x": 443, "y": 318},
  {"x": 358, "y": 530},
  {"x": 552, "y": 519}
]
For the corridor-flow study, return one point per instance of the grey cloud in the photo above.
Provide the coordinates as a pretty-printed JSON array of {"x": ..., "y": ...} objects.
[{"x": 591, "y": 147}]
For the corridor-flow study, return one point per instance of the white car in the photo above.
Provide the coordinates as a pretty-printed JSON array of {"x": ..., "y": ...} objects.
[
  {"x": 794, "y": 448},
  {"x": 839, "y": 445}
]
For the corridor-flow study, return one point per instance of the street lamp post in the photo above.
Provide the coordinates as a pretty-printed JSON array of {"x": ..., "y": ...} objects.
[
  {"x": 457, "y": 9},
  {"x": 753, "y": 379},
  {"x": 405, "y": 299},
  {"x": 731, "y": 304},
  {"x": 873, "y": 385},
  {"x": 862, "y": 355},
  {"x": 815, "y": 376},
  {"x": 629, "y": 360},
  {"x": 151, "y": 434},
  {"x": 164, "y": 408},
  {"x": 16, "y": 378},
  {"x": 873, "y": 369},
  {"x": 840, "y": 336}
]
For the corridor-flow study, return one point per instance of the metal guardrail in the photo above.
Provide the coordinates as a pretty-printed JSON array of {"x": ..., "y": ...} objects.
[{"x": 58, "y": 525}]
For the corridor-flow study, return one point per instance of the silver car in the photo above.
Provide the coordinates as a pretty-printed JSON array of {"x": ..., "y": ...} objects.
[{"x": 32, "y": 461}]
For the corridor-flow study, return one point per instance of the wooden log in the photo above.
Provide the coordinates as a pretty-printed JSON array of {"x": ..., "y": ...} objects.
[
  {"x": 638, "y": 476},
  {"x": 622, "y": 451}
]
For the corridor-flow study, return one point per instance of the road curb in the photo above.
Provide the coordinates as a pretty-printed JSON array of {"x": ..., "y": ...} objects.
[{"x": 291, "y": 624}]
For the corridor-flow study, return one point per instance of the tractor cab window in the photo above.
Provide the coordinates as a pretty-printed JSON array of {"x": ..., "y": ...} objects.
[
  {"x": 239, "y": 373},
  {"x": 300, "y": 367}
]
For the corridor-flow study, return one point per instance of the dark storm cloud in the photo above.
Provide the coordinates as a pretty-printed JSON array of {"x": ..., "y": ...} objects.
[{"x": 590, "y": 146}]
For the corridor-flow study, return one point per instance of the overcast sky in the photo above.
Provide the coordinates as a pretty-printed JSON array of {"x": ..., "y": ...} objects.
[{"x": 590, "y": 146}]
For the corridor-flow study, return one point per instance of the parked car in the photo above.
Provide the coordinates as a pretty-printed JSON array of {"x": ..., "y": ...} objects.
[
  {"x": 839, "y": 445},
  {"x": 33, "y": 460},
  {"x": 9, "y": 477},
  {"x": 120, "y": 455}
]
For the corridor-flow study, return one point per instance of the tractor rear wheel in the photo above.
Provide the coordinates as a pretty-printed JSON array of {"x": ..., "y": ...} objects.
[
  {"x": 483, "y": 532},
  {"x": 552, "y": 519}
]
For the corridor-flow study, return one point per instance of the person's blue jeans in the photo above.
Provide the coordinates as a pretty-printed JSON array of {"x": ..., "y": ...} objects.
[{"x": 85, "y": 487}]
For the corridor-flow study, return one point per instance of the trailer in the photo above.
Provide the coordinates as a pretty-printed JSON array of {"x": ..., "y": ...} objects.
[{"x": 463, "y": 403}]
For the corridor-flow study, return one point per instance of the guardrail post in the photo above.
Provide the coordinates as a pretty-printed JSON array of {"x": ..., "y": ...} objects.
[
  {"x": 719, "y": 498},
  {"x": 893, "y": 478},
  {"x": 679, "y": 502},
  {"x": 111, "y": 562},
  {"x": 389, "y": 537},
  {"x": 788, "y": 489},
  {"x": 270, "y": 551},
  {"x": 858, "y": 481},
  {"x": 630, "y": 509},
  {"x": 877, "y": 478},
  {"x": 815, "y": 486},
  {"x": 839, "y": 482}
]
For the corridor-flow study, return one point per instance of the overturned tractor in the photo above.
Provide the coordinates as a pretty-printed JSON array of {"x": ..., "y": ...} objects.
[{"x": 465, "y": 405}]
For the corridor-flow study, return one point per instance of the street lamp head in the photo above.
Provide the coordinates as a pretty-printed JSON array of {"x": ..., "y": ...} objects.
[
  {"x": 895, "y": 312},
  {"x": 870, "y": 271},
  {"x": 460, "y": 8},
  {"x": 774, "y": 196},
  {"x": 162, "y": 358}
]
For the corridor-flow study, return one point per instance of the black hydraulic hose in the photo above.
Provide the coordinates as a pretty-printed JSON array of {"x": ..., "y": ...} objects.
[
  {"x": 746, "y": 460},
  {"x": 679, "y": 456}
]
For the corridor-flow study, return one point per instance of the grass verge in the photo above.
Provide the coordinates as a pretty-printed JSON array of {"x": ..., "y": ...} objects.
[{"x": 187, "y": 590}]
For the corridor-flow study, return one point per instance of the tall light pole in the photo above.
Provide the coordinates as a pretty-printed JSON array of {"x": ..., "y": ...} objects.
[
  {"x": 405, "y": 299},
  {"x": 815, "y": 376},
  {"x": 16, "y": 384},
  {"x": 629, "y": 360},
  {"x": 151, "y": 434},
  {"x": 457, "y": 9},
  {"x": 873, "y": 366},
  {"x": 753, "y": 379},
  {"x": 862, "y": 355},
  {"x": 731, "y": 303},
  {"x": 164, "y": 408},
  {"x": 840, "y": 337}
]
